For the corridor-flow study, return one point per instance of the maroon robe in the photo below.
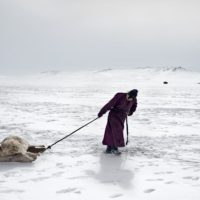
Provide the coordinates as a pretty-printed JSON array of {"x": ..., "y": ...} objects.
[{"x": 119, "y": 108}]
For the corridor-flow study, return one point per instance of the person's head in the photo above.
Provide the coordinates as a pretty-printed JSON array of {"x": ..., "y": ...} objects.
[{"x": 132, "y": 94}]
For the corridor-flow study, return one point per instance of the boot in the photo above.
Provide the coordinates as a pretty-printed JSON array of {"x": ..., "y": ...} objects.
[
  {"x": 115, "y": 151},
  {"x": 108, "y": 149}
]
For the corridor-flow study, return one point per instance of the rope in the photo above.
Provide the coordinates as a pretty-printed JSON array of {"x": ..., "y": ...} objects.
[
  {"x": 127, "y": 132},
  {"x": 50, "y": 146}
]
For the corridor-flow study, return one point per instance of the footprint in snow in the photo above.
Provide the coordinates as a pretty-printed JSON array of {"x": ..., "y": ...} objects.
[
  {"x": 191, "y": 178},
  {"x": 169, "y": 172},
  {"x": 186, "y": 168},
  {"x": 68, "y": 190},
  {"x": 78, "y": 192},
  {"x": 169, "y": 182},
  {"x": 40, "y": 178},
  {"x": 11, "y": 191},
  {"x": 60, "y": 165},
  {"x": 149, "y": 190},
  {"x": 116, "y": 195},
  {"x": 158, "y": 179},
  {"x": 58, "y": 173}
]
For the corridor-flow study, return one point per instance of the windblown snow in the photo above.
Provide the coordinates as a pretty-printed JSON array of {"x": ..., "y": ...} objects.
[{"x": 162, "y": 160}]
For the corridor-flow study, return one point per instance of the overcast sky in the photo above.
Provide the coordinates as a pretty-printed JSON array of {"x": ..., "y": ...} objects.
[{"x": 37, "y": 35}]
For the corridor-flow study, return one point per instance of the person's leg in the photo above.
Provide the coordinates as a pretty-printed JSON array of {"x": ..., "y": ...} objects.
[
  {"x": 108, "y": 149},
  {"x": 115, "y": 148}
]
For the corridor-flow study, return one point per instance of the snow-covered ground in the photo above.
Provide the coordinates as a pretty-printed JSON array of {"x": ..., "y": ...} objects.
[{"x": 162, "y": 160}]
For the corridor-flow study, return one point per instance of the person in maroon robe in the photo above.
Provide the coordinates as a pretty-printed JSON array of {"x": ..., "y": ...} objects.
[{"x": 120, "y": 106}]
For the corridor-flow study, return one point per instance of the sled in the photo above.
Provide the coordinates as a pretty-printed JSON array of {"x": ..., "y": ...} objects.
[{"x": 36, "y": 149}]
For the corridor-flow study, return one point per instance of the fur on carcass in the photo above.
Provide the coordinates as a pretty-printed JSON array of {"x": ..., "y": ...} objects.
[{"x": 14, "y": 149}]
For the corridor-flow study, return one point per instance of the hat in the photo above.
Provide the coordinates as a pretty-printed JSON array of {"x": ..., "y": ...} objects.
[{"x": 133, "y": 93}]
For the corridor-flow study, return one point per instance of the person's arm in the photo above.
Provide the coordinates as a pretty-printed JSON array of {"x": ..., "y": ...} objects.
[
  {"x": 109, "y": 105},
  {"x": 133, "y": 108}
]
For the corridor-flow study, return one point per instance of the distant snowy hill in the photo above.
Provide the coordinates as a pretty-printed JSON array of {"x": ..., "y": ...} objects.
[{"x": 108, "y": 76}]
